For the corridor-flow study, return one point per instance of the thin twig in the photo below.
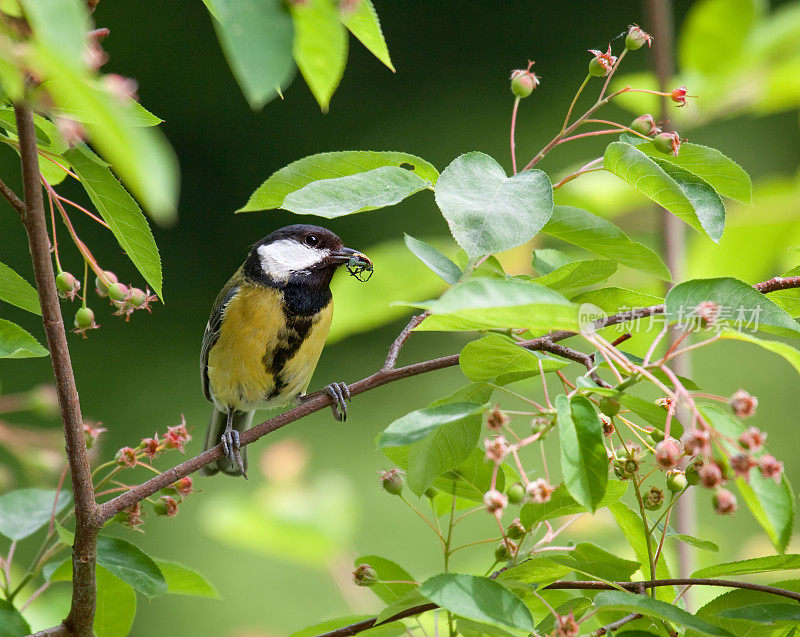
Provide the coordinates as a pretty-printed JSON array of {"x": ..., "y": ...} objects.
[{"x": 394, "y": 349}]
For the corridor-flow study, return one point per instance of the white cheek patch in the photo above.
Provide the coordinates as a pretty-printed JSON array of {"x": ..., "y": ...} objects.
[{"x": 283, "y": 258}]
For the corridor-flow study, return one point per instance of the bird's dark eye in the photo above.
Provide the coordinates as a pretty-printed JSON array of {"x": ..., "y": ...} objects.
[{"x": 312, "y": 240}]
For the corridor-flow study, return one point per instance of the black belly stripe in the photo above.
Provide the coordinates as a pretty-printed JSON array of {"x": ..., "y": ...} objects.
[{"x": 290, "y": 338}]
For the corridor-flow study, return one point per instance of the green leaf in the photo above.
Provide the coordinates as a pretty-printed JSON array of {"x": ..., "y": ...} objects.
[
  {"x": 185, "y": 581},
  {"x": 772, "y": 505},
  {"x": 298, "y": 174},
  {"x": 370, "y": 190},
  {"x": 578, "y": 274},
  {"x": 12, "y": 623},
  {"x": 791, "y": 354},
  {"x": 388, "y": 571},
  {"x": 704, "y": 199},
  {"x": 741, "y": 306},
  {"x": 363, "y": 23},
  {"x": 765, "y": 613},
  {"x": 714, "y": 33},
  {"x": 598, "y": 562},
  {"x": 635, "y": 168},
  {"x": 562, "y": 503},
  {"x": 766, "y": 564},
  {"x": 632, "y": 528},
  {"x": 478, "y": 598},
  {"x": 116, "y": 606},
  {"x": 320, "y": 47},
  {"x": 17, "y": 291},
  {"x": 386, "y": 630},
  {"x": 409, "y": 600},
  {"x": 131, "y": 565},
  {"x": 613, "y": 300},
  {"x": 652, "y": 413},
  {"x": 489, "y": 212},
  {"x": 122, "y": 214},
  {"x": 584, "y": 463},
  {"x": 471, "y": 479},
  {"x": 704, "y": 545},
  {"x": 469, "y": 628},
  {"x": 62, "y": 24},
  {"x": 723, "y": 174},
  {"x": 15, "y": 342},
  {"x": 140, "y": 155},
  {"x": 545, "y": 260},
  {"x": 632, "y": 603},
  {"x": 602, "y": 237},
  {"x": 25, "y": 511},
  {"x": 418, "y": 424},
  {"x": 483, "y": 303},
  {"x": 537, "y": 571},
  {"x": 499, "y": 359},
  {"x": 257, "y": 40},
  {"x": 435, "y": 260}
]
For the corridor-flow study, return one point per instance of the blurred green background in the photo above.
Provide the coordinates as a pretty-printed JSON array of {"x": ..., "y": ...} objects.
[{"x": 450, "y": 95}]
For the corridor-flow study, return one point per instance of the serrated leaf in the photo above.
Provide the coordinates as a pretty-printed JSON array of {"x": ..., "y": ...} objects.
[
  {"x": 116, "y": 606},
  {"x": 435, "y": 260},
  {"x": 388, "y": 571},
  {"x": 256, "y": 38},
  {"x": 705, "y": 545},
  {"x": 484, "y": 303},
  {"x": 130, "y": 564},
  {"x": 598, "y": 562},
  {"x": 766, "y": 564},
  {"x": 25, "y": 511},
  {"x": 740, "y": 306},
  {"x": 298, "y": 174},
  {"x": 706, "y": 202},
  {"x": 185, "y": 581},
  {"x": 613, "y": 300},
  {"x": 722, "y": 173},
  {"x": 370, "y": 190},
  {"x": 416, "y": 425},
  {"x": 478, "y": 598},
  {"x": 593, "y": 233},
  {"x": 538, "y": 571},
  {"x": 765, "y": 613},
  {"x": 320, "y": 47},
  {"x": 17, "y": 291},
  {"x": 632, "y": 603},
  {"x": 122, "y": 214},
  {"x": 562, "y": 503},
  {"x": 12, "y": 623},
  {"x": 16, "y": 342},
  {"x": 488, "y": 211},
  {"x": 498, "y": 359},
  {"x": 772, "y": 505},
  {"x": 578, "y": 274},
  {"x": 584, "y": 462},
  {"x": 363, "y": 23}
]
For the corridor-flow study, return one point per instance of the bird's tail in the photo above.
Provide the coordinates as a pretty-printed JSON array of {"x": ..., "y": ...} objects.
[{"x": 216, "y": 427}]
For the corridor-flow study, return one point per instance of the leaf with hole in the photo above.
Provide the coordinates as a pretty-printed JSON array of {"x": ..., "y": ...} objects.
[
  {"x": 370, "y": 190},
  {"x": 272, "y": 193},
  {"x": 487, "y": 211}
]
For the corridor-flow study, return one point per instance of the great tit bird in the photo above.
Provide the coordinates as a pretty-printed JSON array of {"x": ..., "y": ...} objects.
[{"x": 266, "y": 333}]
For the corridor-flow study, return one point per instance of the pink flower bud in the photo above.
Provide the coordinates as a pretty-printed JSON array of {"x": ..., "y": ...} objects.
[
  {"x": 496, "y": 419},
  {"x": 150, "y": 446},
  {"x": 743, "y": 404},
  {"x": 707, "y": 313},
  {"x": 496, "y": 448},
  {"x": 753, "y": 439},
  {"x": 495, "y": 502},
  {"x": 166, "y": 506},
  {"x": 771, "y": 467},
  {"x": 567, "y": 626},
  {"x": 724, "y": 502},
  {"x": 523, "y": 82},
  {"x": 92, "y": 432},
  {"x": 668, "y": 451},
  {"x": 645, "y": 125},
  {"x": 364, "y": 575},
  {"x": 668, "y": 143},
  {"x": 122, "y": 88},
  {"x": 710, "y": 475},
  {"x": 392, "y": 481},
  {"x": 539, "y": 491},
  {"x": 679, "y": 96},
  {"x": 697, "y": 442},
  {"x": 602, "y": 63},
  {"x": 184, "y": 486},
  {"x": 132, "y": 517},
  {"x": 177, "y": 436},
  {"x": 71, "y": 132},
  {"x": 637, "y": 38},
  {"x": 126, "y": 457},
  {"x": 741, "y": 464},
  {"x": 94, "y": 56}
]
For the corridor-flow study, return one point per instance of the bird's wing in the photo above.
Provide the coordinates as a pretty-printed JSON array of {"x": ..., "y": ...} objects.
[{"x": 211, "y": 335}]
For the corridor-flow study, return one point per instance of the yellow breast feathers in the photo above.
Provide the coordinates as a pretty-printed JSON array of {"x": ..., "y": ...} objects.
[{"x": 262, "y": 357}]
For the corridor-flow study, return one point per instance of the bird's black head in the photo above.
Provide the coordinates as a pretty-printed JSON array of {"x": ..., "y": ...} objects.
[{"x": 300, "y": 254}]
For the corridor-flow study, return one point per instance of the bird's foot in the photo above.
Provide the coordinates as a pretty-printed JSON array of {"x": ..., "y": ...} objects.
[
  {"x": 232, "y": 448},
  {"x": 339, "y": 393}
]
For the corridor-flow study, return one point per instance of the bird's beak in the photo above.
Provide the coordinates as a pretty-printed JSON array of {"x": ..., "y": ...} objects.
[{"x": 348, "y": 255}]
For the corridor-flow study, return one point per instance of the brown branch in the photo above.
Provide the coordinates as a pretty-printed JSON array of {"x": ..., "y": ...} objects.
[
  {"x": 12, "y": 198},
  {"x": 587, "y": 360},
  {"x": 634, "y": 587},
  {"x": 394, "y": 349},
  {"x": 778, "y": 283},
  {"x": 81, "y": 615}
]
